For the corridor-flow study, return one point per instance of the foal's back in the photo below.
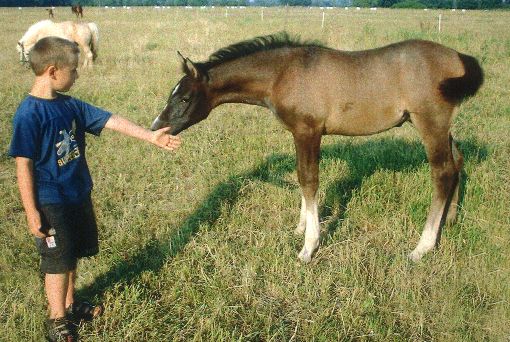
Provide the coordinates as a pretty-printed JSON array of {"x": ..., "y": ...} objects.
[{"x": 365, "y": 92}]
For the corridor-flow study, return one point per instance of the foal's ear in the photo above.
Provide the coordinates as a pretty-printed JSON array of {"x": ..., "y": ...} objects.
[
  {"x": 189, "y": 68},
  {"x": 181, "y": 57}
]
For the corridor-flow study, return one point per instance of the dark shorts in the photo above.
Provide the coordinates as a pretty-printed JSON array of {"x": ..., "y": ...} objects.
[{"x": 73, "y": 235}]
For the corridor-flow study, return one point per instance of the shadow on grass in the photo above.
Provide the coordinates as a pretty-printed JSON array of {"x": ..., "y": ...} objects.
[{"x": 363, "y": 160}]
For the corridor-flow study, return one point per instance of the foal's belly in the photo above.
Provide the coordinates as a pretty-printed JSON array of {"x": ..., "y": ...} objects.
[{"x": 360, "y": 119}]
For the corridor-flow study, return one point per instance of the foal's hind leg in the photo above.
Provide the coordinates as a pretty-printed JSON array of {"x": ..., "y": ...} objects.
[
  {"x": 307, "y": 152},
  {"x": 436, "y": 138},
  {"x": 459, "y": 161}
]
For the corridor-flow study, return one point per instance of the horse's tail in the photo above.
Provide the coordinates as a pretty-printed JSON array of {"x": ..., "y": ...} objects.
[
  {"x": 457, "y": 89},
  {"x": 94, "y": 43}
]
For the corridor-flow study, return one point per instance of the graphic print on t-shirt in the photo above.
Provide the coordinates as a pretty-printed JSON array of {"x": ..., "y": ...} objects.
[{"x": 67, "y": 149}]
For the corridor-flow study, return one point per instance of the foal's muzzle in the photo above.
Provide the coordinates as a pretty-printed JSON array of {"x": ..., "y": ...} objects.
[{"x": 158, "y": 124}]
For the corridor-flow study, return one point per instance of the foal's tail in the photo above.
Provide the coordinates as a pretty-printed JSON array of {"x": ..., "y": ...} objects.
[
  {"x": 457, "y": 89},
  {"x": 94, "y": 43}
]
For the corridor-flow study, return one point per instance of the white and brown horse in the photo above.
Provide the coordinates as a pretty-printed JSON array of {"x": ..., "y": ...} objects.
[
  {"x": 78, "y": 10},
  {"x": 86, "y": 35},
  {"x": 315, "y": 90}
]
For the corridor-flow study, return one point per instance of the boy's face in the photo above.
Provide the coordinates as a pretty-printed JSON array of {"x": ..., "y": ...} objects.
[{"x": 64, "y": 78}]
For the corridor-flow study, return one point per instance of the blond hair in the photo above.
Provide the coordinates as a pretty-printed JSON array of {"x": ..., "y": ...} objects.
[{"x": 53, "y": 51}]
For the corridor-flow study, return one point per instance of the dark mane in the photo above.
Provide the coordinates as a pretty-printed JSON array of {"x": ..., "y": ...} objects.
[{"x": 248, "y": 47}]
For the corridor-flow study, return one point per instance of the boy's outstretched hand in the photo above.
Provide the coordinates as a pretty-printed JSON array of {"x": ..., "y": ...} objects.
[
  {"x": 160, "y": 138},
  {"x": 163, "y": 139}
]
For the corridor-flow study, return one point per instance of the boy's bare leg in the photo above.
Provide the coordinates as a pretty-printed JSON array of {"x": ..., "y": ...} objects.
[
  {"x": 56, "y": 286},
  {"x": 70, "y": 288}
]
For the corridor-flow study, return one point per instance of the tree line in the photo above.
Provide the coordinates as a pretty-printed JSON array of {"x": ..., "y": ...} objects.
[{"x": 467, "y": 4}]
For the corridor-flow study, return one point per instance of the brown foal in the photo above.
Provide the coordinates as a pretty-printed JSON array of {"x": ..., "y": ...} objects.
[{"x": 314, "y": 90}]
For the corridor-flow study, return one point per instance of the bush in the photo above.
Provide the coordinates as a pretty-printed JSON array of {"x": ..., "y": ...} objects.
[{"x": 409, "y": 4}]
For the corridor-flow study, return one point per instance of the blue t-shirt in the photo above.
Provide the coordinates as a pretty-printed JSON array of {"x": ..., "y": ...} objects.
[{"x": 52, "y": 134}]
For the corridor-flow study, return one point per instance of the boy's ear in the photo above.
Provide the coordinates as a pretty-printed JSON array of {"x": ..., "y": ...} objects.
[
  {"x": 51, "y": 70},
  {"x": 189, "y": 68}
]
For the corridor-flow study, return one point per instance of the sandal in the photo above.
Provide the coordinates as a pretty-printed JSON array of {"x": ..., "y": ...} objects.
[
  {"x": 85, "y": 311},
  {"x": 60, "y": 330}
]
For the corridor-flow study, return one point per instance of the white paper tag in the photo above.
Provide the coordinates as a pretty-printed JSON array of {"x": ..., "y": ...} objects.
[{"x": 50, "y": 241}]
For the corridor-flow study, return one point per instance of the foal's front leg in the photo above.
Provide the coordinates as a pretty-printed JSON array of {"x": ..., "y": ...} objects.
[
  {"x": 301, "y": 227},
  {"x": 307, "y": 152},
  {"x": 88, "y": 56}
]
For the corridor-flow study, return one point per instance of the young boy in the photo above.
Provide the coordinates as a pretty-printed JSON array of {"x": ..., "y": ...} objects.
[{"x": 53, "y": 177}]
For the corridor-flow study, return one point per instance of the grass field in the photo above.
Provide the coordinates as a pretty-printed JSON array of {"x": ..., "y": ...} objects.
[{"x": 199, "y": 246}]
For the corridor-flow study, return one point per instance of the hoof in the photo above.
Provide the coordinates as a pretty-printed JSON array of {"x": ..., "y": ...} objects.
[
  {"x": 415, "y": 256},
  {"x": 426, "y": 244},
  {"x": 305, "y": 256}
]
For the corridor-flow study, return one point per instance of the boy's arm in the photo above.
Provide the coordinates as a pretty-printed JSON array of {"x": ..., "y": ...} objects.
[
  {"x": 25, "y": 174},
  {"x": 159, "y": 138}
]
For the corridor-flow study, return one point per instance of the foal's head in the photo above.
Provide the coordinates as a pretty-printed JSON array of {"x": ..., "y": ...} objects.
[{"x": 188, "y": 103}]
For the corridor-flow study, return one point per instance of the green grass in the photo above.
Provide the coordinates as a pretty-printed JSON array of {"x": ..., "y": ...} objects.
[{"x": 199, "y": 245}]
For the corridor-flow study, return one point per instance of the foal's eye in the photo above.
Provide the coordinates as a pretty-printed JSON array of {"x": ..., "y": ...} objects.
[{"x": 185, "y": 99}]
